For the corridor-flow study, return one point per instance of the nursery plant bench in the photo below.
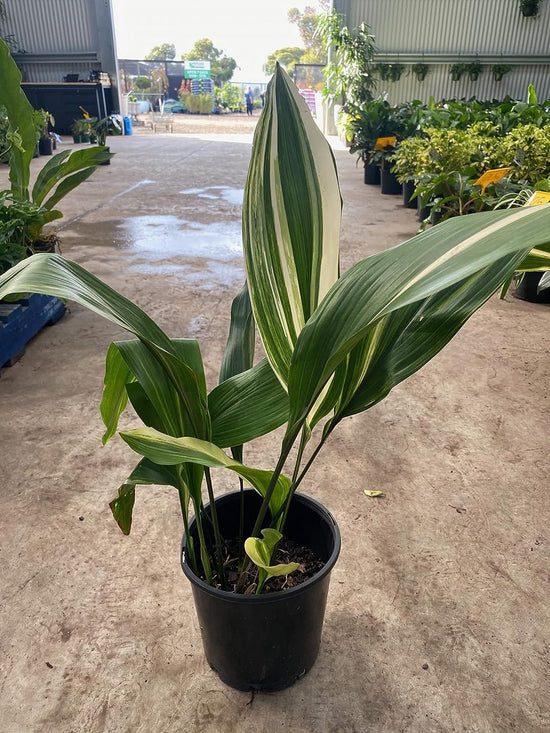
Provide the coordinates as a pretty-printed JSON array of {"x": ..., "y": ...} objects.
[
  {"x": 162, "y": 122},
  {"x": 22, "y": 319}
]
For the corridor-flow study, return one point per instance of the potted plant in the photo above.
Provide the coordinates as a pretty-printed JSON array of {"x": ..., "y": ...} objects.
[
  {"x": 420, "y": 71},
  {"x": 499, "y": 70},
  {"x": 80, "y": 130},
  {"x": 529, "y": 8},
  {"x": 457, "y": 70},
  {"x": 335, "y": 345},
  {"x": 474, "y": 70},
  {"x": 44, "y": 121},
  {"x": 109, "y": 125}
]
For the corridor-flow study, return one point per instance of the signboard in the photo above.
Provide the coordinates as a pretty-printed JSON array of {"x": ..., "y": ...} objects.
[
  {"x": 492, "y": 176},
  {"x": 539, "y": 197},
  {"x": 196, "y": 69},
  {"x": 384, "y": 142}
]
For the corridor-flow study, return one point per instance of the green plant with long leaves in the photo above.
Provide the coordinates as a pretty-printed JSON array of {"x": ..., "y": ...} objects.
[
  {"x": 335, "y": 344},
  {"x": 350, "y": 79},
  {"x": 61, "y": 174}
]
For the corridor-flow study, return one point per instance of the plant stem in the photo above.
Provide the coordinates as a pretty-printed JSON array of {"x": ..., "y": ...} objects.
[
  {"x": 189, "y": 541},
  {"x": 203, "y": 548},
  {"x": 217, "y": 535}
]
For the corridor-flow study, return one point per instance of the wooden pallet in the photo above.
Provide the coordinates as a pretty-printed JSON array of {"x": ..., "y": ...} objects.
[{"x": 21, "y": 320}]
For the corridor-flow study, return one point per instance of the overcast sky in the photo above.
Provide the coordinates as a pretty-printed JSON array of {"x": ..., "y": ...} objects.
[{"x": 247, "y": 30}]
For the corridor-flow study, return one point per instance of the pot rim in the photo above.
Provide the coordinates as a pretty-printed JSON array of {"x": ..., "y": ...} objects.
[{"x": 323, "y": 514}]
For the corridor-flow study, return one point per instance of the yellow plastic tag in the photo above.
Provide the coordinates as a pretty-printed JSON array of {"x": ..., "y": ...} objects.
[
  {"x": 539, "y": 197},
  {"x": 492, "y": 176},
  {"x": 383, "y": 142}
]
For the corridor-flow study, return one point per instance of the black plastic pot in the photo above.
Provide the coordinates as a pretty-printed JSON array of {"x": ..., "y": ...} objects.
[
  {"x": 372, "y": 174},
  {"x": 527, "y": 289},
  {"x": 408, "y": 191},
  {"x": 388, "y": 182},
  {"x": 423, "y": 212},
  {"x": 267, "y": 641},
  {"x": 45, "y": 146}
]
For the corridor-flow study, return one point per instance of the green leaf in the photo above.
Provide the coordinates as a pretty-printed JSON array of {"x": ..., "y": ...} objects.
[
  {"x": 122, "y": 507},
  {"x": 415, "y": 279},
  {"x": 167, "y": 450},
  {"x": 247, "y": 406},
  {"x": 260, "y": 551},
  {"x": 291, "y": 220},
  {"x": 52, "y": 274},
  {"x": 74, "y": 167},
  {"x": 239, "y": 351},
  {"x": 114, "y": 398},
  {"x": 20, "y": 116}
]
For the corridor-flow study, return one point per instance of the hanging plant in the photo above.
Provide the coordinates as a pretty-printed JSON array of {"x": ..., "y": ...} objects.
[
  {"x": 456, "y": 71},
  {"x": 529, "y": 7},
  {"x": 499, "y": 70},
  {"x": 384, "y": 71},
  {"x": 474, "y": 70},
  {"x": 420, "y": 70},
  {"x": 395, "y": 71},
  {"x": 390, "y": 72}
]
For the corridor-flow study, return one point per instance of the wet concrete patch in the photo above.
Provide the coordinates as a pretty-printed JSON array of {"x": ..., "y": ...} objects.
[{"x": 233, "y": 196}]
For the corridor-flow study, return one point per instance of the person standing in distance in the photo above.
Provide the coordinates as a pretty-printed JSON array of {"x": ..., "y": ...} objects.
[{"x": 249, "y": 99}]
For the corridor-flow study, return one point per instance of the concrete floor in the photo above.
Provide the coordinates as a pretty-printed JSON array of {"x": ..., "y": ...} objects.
[{"x": 438, "y": 616}]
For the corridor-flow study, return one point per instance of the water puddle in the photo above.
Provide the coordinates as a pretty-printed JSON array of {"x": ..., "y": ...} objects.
[
  {"x": 165, "y": 237},
  {"x": 205, "y": 254},
  {"x": 233, "y": 196}
]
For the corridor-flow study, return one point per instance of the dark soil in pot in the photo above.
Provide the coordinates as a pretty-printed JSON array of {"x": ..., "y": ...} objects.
[{"x": 267, "y": 641}]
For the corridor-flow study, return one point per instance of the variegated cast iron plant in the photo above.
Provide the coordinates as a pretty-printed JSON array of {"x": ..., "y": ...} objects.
[{"x": 335, "y": 344}]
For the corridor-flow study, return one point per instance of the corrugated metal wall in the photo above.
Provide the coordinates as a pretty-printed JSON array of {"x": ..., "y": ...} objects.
[
  {"x": 441, "y": 33},
  {"x": 53, "y": 26},
  {"x": 52, "y": 38}
]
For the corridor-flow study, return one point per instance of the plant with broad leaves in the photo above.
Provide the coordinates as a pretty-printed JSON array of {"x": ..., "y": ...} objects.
[
  {"x": 335, "y": 344},
  {"x": 61, "y": 174}
]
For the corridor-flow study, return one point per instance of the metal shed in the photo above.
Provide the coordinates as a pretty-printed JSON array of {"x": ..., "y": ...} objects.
[{"x": 67, "y": 55}]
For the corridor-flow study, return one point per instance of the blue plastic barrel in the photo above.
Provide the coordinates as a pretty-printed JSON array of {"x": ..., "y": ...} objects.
[{"x": 127, "y": 125}]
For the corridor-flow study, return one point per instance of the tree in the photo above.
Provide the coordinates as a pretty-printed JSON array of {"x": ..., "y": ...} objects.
[
  {"x": 306, "y": 22},
  {"x": 287, "y": 57},
  {"x": 163, "y": 52},
  {"x": 142, "y": 83},
  {"x": 221, "y": 66}
]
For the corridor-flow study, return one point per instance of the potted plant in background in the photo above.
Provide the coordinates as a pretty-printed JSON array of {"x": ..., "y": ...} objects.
[
  {"x": 109, "y": 125},
  {"x": 335, "y": 345},
  {"x": 420, "y": 70},
  {"x": 499, "y": 70},
  {"x": 457, "y": 70},
  {"x": 529, "y": 8},
  {"x": 44, "y": 121},
  {"x": 80, "y": 130},
  {"x": 474, "y": 70}
]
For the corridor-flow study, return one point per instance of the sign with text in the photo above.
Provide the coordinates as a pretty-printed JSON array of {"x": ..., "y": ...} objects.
[{"x": 196, "y": 69}]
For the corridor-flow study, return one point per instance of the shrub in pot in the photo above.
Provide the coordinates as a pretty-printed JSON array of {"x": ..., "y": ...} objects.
[{"x": 335, "y": 345}]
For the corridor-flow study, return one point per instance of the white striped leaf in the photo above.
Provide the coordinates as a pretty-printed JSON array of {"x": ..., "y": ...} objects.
[
  {"x": 291, "y": 221},
  {"x": 478, "y": 251}
]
